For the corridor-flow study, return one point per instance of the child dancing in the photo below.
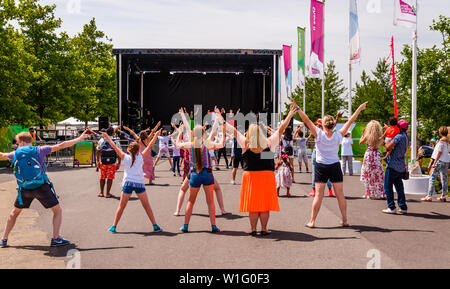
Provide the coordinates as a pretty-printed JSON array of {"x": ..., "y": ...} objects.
[{"x": 133, "y": 179}]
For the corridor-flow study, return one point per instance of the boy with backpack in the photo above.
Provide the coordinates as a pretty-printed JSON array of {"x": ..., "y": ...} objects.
[
  {"x": 33, "y": 183},
  {"x": 106, "y": 161}
]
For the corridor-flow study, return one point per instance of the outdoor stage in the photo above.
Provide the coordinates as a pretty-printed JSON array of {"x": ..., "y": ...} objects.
[{"x": 163, "y": 80}]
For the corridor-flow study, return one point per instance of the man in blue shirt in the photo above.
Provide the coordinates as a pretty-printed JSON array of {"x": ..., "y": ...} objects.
[{"x": 395, "y": 169}]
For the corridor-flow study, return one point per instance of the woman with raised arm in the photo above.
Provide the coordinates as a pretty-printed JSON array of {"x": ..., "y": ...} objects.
[
  {"x": 185, "y": 183},
  {"x": 259, "y": 191},
  {"x": 144, "y": 140},
  {"x": 327, "y": 159},
  {"x": 133, "y": 179},
  {"x": 201, "y": 169}
]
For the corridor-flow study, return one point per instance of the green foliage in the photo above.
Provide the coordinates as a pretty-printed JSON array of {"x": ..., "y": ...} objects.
[
  {"x": 334, "y": 88},
  {"x": 378, "y": 92},
  {"x": 433, "y": 80},
  {"x": 46, "y": 75}
]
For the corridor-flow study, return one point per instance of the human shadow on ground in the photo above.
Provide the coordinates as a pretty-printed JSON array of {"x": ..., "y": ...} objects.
[
  {"x": 62, "y": 251},
  {"x": 147, "y": 234},
  {"x": 277, "y": 235},
  {"x": 229, "y": 216},
  {"x": 157, "y": 185},
  {"x": 292, "y": 197},
  {"x": 433, "y": 215},
  {"x": 362, "y": 229}
]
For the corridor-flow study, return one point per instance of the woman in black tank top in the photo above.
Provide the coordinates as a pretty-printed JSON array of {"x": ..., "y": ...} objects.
[{"x": 258, "y": 191}]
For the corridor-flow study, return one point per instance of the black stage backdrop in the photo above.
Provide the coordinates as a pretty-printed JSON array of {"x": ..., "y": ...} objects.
[{"x": 165, "y": 93}]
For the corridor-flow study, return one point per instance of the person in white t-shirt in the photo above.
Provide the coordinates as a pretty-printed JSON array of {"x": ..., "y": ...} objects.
[
  {"x": 163, "y": 148},
  {"x": 347, "y": 154},
  {"x": 327, "y": 161},
  {"x": 133, "y": 180},
  {"x": 440, "y": 166}
]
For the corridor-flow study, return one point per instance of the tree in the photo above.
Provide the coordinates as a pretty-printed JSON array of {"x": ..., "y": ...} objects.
[
  {"x": 94, "y": 89},
  {"x": 334, "y": 88},
  {"x": 46, "y": 96},
  {"x": 433, "y": 79},
  {"x": 15, "y": 70},
  {"x": 378, "y": 92}
]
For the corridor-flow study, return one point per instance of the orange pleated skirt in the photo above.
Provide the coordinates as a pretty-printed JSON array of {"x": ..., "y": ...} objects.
[{"x": 258, "y": 192}]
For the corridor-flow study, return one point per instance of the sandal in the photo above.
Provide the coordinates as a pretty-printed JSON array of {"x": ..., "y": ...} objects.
[
  {"x": 442, "y": 199},
  {"x": 345, "y": 224},
  {"x": 426, "y": 199},
  {"x": 109, "y": 196},
  {"x": 100, "y": 195},
  {"x": 253, "y": 233},
  {"x": 310, "y": 227},
  {"x": 265, "y": 233}
]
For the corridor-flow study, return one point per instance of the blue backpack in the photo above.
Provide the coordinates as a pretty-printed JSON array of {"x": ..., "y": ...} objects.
[{"x": 28, "y": 171}]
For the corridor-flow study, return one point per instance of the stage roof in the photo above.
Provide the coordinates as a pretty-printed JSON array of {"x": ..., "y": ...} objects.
[{"x": 198, "y": 60}]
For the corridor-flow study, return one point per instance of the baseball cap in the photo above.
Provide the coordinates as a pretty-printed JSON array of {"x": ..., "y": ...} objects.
[
  {"x": 403, "y": 124},
  {"x": 319, "y": 121}
]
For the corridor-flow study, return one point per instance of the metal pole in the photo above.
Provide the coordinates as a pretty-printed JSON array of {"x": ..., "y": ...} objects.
[
  {"x": 350, "y": 90},
  {"x": 142, "y": 95},
  {"x": 324, "y": 64},
  {"x": 274, "y": 90},
  {"x": 414, "y": 100},
  {"x": 120, "y": 89}
]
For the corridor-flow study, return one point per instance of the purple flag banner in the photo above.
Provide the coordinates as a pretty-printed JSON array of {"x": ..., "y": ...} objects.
[
  {"x": 316, "y": 55},
  {"x": 287, "y": 68}
]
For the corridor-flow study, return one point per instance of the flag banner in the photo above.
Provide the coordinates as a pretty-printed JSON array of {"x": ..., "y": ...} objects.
[
  {"x": 301, "y": 57},
  {"x": 355, "y": 50},
  {"x": 287, "y": 68},
  {"x": 316, "y": 56},
  {"x": 405, "y": 13},
  {"x": 393, "y": 76}
]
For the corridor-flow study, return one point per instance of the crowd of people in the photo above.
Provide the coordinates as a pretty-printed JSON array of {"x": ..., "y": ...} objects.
[{"x": 265, "y": 154}]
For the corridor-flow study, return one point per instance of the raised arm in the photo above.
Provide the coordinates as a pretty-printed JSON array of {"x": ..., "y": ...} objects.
[
  {"x": 119, "y": 152},
  {"x": 187, "y": 124},
  {"x": 309, "y": 124},
  {"x": 69, "y": 143},
  {"x": 131, "y": 132},
  {"x": 352, "y": 119},
  {"x": 148, "y": 149},
  {"x": 221, "y": 144},
  {"x": 275, "y": 137},
  {"x": 363, "y": 138}
]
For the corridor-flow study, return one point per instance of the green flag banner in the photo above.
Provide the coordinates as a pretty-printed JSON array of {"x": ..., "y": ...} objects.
[{"x": 301, "y": 57}]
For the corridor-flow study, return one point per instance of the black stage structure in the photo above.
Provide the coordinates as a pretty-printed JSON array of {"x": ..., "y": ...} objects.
[{"x": 163, "y": 80}]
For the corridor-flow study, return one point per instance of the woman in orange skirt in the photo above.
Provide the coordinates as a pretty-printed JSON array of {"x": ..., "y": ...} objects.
[{"x": 258, "y": 191}]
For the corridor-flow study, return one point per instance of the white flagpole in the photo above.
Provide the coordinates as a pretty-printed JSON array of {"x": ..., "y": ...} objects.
[
  {"x": 414, "y": 99},
  {"x": 349, "y": 67},
  {"x": 324, "y": 63}
]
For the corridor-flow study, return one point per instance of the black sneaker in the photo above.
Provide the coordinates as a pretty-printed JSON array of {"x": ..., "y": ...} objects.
[{"x": 4, "y": 243}]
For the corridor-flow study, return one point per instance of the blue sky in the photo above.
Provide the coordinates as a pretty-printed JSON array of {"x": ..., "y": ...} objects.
[{"x": 261, "y": 24}]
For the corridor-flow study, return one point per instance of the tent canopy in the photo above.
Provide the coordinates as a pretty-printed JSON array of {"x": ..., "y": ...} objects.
[{"x": 71, "y": 121}]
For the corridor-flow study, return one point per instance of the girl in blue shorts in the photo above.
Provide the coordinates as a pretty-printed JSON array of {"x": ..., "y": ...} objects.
[
  {"x": 201, "y": 169},
  {"x": 133, "y": 179}
]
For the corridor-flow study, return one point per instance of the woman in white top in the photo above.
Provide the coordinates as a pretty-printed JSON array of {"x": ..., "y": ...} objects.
[
  {"x": 327, "y": 158},
  {"x": 440, "y": 166},
  {"x": 133, "y": 179}
]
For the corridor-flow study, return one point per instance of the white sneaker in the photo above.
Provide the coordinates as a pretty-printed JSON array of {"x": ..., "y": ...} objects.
[
  {"x": 233, "y": 182},
  {"x": 389, "y": 211}
]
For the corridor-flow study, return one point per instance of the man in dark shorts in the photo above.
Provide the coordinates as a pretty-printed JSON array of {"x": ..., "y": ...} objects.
[{"x": 44, "y": 194}]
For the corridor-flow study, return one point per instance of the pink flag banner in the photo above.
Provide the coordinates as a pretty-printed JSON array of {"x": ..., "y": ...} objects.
[
  {"x": 287, "y": 68},
  {"x": 405, "y": 13},
  {"x": 316, "y": 56}
]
